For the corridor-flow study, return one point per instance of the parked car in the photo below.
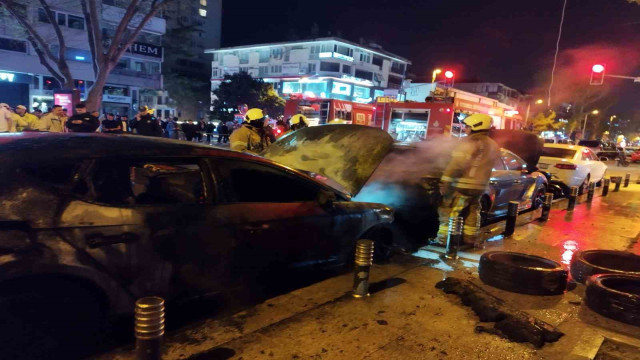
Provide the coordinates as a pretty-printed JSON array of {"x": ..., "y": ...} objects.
[
  {"x": 91, "y": 222},
  {"x": 635, "y": 156},
  {"x": 573, "y": 165}
]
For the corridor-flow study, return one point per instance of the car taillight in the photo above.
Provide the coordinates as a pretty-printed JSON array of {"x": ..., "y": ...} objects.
[{"x": 567, "y": 166}]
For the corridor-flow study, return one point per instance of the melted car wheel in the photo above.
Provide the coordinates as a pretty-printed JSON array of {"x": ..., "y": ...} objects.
[
  {"x": 615, "y": 296},
  {"x": 591, "y": 262},
  {"x": 522, "y": 273}
]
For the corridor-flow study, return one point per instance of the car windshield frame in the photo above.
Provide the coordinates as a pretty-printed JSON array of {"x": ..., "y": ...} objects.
[{"x": 559, "y": 152}]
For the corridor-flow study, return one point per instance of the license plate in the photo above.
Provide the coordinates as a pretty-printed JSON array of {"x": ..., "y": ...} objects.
[{"x": 543, "y": 166}]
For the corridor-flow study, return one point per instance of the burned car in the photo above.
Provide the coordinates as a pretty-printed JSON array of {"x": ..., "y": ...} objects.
[{"x": 91, "y": 222}]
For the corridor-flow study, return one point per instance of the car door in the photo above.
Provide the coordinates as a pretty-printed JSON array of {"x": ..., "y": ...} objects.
[
  {"x": 279, "y": 222},
  {"x": 516, "y": 168},
  {"x": 597, "y": 167},
  {"x": 500, "y": 184},
  {"x": 149, "y": 222}
]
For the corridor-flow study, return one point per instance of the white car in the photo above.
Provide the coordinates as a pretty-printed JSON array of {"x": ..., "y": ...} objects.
[{"x": 573, "y": 165}]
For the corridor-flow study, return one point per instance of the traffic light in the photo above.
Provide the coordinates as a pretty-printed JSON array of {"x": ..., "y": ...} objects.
[
  {"x": 597, "y": 74},
  {"x": 449, "y": 78}
]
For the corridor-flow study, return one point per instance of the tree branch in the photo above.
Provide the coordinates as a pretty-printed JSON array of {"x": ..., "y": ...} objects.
[
  {"x": 43, "y": 61},
  {"x": 30, "y": 29},
  {"x": 56, "y": 29},
  {"x": 124, "y": 24},
  {"x": 93, "y": 33},
  {"x": 155, "y": 6}
]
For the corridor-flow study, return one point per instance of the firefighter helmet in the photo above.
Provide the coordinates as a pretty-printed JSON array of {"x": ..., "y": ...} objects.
[
  {"x": 478, "y": 122},
  {"x": 254, "y": 114},
  {"x": 296, "y": 119}
]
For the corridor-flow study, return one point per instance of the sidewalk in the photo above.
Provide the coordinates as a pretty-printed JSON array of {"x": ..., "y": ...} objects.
[{"x": 407, "y": 318}]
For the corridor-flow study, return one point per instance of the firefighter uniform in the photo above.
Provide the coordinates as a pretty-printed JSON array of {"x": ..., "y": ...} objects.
[
  {"x": 466, "y": 178},
  {"x": 250, "y": 137}
]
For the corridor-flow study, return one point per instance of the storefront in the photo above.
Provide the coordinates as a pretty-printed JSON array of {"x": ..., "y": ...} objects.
[
  {"x": 116, "y": 104},
  {"x": 346, "y": 88}
]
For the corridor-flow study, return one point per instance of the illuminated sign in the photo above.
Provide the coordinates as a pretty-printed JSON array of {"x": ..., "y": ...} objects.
[
  {"x": 341, "y": 88},
  {"x": 357, "y": 80},
  {"x": 511, "y": 112},
  {"x": 325, "y": 54},
  {"x": 65, "y": 100},
  {"x": 363, "y": 100},
  {"x": 7, "y": 76}
]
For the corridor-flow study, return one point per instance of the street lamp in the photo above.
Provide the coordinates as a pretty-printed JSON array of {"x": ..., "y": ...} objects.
[
  {"x": 435, "y": 72},
  {"x": 584, "y": 127}
]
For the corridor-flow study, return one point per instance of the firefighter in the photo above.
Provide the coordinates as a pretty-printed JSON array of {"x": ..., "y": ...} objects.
[
  {"x": 298, "y": 122},
  {"x": 466, "y": 178},
  {"x": 250, "y": 137}
]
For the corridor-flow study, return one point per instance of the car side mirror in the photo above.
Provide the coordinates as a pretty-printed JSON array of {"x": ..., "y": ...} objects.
[{"x": 326, "y": 198}]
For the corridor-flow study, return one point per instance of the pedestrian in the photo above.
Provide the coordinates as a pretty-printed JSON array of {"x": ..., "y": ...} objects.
[
  {"x": 250, "y": 137},
  {"x": 209, "y": 129},
  {"x": 298, "y": 122},
  {"x": 223, "y": 132},
  {"x": 124, "y": 120},
  {"x": 52, "y": 121},
  {"x": 64, "y": 118},
  {"x": 23, "y": 120},
  {"x": 188, "y": 130},
  {"x": 163, "y": 125},
  {"x": 173, "y": 129},
  {"x": 83, "y": 121},
  {"x": 145, "y": 124},
  {"x": 37, "y": 113},
  {"x": 6, "y": 118},
  {"x": 111, "y": 126},
  {"x": 201, "y": 128},
  {"x": 466, "y": 177}
]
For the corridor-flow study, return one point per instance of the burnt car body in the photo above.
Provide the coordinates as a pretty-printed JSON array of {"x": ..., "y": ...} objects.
[{"x": 132, "y": 216}]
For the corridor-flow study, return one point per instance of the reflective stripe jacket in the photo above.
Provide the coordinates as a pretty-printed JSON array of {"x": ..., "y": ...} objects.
[
  {"x": 247, "y": 138},
  {"x": 471, "y": 162}
]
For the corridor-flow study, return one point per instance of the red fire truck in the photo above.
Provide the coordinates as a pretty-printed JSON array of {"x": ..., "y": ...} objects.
[{"x": 330, "y": 111}]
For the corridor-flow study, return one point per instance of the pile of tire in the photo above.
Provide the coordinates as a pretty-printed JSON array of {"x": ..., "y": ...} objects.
[{"x": 613, "y": 283}]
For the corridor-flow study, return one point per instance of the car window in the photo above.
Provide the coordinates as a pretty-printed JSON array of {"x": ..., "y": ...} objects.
[
  {"x": 584, "y": 155},
  {"x": 147, "y": 182},
  {"x": 56, "y": 173},
  {"x": 593, "y": 155},
  {"x": 512, "y": 162},
  {"x": 498, "y": 164},
  {"x": 251, "y": 182},
  {"x": 561, "y": 153}
]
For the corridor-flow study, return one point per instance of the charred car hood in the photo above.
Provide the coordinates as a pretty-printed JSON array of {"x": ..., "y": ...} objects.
[{"x": 348, "y": 154}]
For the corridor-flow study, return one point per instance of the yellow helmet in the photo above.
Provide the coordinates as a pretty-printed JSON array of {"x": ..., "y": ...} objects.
[
  {"x": 296, "y": 119},
  {"x": 478, "y": 122},
  {"x": 254, "y": 114},
  {"x": 606, "y": 133}
]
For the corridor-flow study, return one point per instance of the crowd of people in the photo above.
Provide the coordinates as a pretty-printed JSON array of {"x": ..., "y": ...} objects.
[{"x": 253, "y": 135}]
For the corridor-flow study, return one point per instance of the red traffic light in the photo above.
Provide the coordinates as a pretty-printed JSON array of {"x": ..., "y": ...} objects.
[
  {"x": 598, "y": 68},
  {"x": 448, "y": 74}
]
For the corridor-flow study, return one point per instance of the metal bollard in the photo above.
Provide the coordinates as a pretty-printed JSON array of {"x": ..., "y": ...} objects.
[
  {"x": 592, "y": 189},
  {"x": 546, "y": 207},
  {"x": 617, "y": 180},
  {"x": 363, "y": 260},
  {"x": 638, "y": 180},
  {"x": 572, "y": 198},
  {"x": 456, "y": 224},
  {"x": 605, "y": 187},
  {"x": 149, "y": 327},
  {"x": 512, "y": 217},
  {"x": 627, "y": 178}
]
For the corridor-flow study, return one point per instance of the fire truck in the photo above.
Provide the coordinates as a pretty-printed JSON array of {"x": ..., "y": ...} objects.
[{"x": 330, "y": 111}]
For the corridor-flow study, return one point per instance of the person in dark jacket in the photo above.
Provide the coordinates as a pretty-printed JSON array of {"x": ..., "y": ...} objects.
[
  {"x": 145, "y": 124},
  {"x": 111, "y": 126},
  {"x": 200, "y": 128},
  {"x": 223, "y": 132},
  {"x": 82, "y": 121},
  {"x": 189, "y": 130},
  {"x": 209, "y": 129}
]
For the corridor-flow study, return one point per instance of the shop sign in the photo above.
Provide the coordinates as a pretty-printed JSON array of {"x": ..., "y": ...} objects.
[
  {"x": 64, "y": 99},
  {"x": 4, "y": 76},
  {"x": 116, "y": 98},
  {"x": 290, "y": 68},
  {"x": 146, "y": 50}
]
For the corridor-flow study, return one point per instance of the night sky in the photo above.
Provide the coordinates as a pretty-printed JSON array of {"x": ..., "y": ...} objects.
[{"x": 506, "y": 41}]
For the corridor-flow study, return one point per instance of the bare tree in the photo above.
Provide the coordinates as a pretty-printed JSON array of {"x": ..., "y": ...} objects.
[{"x": 104, "y": 54}]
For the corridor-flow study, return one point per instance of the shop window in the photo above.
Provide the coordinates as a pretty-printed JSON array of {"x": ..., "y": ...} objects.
[
  {"x": 289, "y": 87},
  {"x": 319, "y": 88},
  {"x": 115, "y": 90},
  {"x": 361, "y": 92},
  {"x": 329, "y": 66}
]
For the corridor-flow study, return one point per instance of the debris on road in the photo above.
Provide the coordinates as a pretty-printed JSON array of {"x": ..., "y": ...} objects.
[{"x": 515, "y": 325}]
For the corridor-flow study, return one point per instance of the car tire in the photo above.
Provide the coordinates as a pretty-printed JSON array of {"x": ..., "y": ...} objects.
[
  {"x": 615, "y": 296},
  {"x": 591, "y": 262},
  {"x": 604, "y": 158},
  {"x": 585, "y": 185},
  {"x": 485, "y": 207},
  {"x": 51, "y": 316},
  {"x": 538, "y": 198},
  {"x": 522, "y": 273}
]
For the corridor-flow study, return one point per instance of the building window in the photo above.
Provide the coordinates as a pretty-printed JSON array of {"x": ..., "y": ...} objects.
[
  {"x": 364, "y": 57},
  {"x": 244, "y": 58},
  {"x": 159, "y": 101},
  {"x": 75, "y": 22},
  {"x": 366, "y": 75},
  {"x": 394, "y": 82},
  {"x": 202, "y": 12},
  {"x": 264, "y": 56},
  {"x": 244, "y": 69},
  {"x": 138, "y": 66},
  {"x": 214, "y": 72},
  {"x": 276, "y": 69},
  {"x": 13, "y": 45},
  {"x": 263, "y": 70},
  {"x": 62, "y": 19},
  {"x": 154, "y": 68},
  {"x": 346, "y": 69},
  {"x": 326, "y": 48},
  {"x": 377, "y": 60},
  {"x": 344, "y": 50},
  {"x": 42, "y": 16},
  {"x": 276, "y": 53},
  {"x": 312, "y": 68},
  {"x": 215, "y": 57},
  {"x": 313, "y": 52},
  {"x": 329, "y": 66},
  {"x": 203, "y": 2}
]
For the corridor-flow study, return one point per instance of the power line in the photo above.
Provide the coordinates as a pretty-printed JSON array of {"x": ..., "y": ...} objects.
[{"x": 555, "y": 58}]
